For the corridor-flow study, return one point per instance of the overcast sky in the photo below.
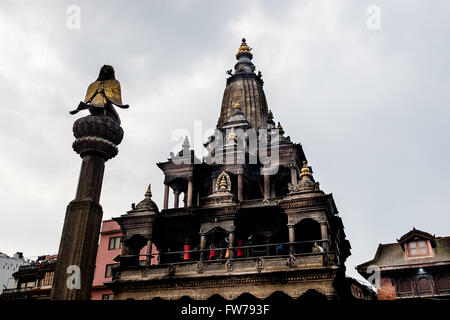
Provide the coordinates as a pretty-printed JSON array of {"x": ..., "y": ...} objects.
[{"x": 370, "y": 106}]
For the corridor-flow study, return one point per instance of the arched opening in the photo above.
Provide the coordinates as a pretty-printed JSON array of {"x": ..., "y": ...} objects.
[
  {"x": 312, "y": 295},
  {"x": 133, "y": 248},
  {"x": 424, "y": 286},
  {"x": 404, "y": 287},
  {"x": 262, "y": 230},
  {"x": 443, "y": 284},
  {"x": 247, "y": 298},
  {"x": 217, "y": 243},
  {"x": 279, "y": 297},
  {"x": 306, "y": 231}
]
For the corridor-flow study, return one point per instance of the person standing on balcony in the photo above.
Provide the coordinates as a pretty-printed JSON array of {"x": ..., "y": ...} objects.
[{"x": 317, "y": 248}]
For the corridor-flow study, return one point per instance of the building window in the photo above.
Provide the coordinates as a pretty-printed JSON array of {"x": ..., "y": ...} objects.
[
  {"x": 418, "y": 248},
  {"x": 108, "y": 297},
  {"x": 108, "y": 270},
  {"x": 114, "y": 243}
]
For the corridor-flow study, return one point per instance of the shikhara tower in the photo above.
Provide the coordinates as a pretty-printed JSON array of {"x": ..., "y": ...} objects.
[{"x": 246, "y": 224}]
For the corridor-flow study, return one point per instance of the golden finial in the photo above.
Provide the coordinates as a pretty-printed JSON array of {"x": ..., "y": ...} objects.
[
  {"x": 243, "y": 48},
  {"x": 149, "y": 191},
  {"x": 223, "y": 184},
  {"x": 305, "y": 170}
]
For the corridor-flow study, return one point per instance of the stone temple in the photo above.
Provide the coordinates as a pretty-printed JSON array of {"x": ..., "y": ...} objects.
[{"x": 253, "y": 219}]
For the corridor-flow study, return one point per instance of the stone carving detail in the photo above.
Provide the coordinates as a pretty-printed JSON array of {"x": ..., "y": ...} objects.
[
  {"x": 97, "y": 134},
  {"x": 292, "y": 261},
  {"x": 229, "y": 265},
  {"x": 199, "y": 267},
  {"x": 171, "y": 270},
  {"x": 260, "y": 264},
  {"x": 223, "y": 182},
  {"x": 329, "y": 259}
]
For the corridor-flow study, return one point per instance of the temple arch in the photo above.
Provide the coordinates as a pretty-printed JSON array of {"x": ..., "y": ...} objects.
[{"x": 307, "y": 231}]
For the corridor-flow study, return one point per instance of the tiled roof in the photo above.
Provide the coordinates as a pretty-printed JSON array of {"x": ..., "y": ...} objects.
[{"x": 392, "y": 254}]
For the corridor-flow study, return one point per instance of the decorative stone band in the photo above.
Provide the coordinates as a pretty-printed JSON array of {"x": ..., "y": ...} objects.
[
  {"x": 94, "y": 145},
  {"x": 97, "y": 134}
]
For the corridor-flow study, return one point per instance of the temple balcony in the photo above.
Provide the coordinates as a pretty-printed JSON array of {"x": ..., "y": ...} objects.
[{"x": 255, "y": 259}]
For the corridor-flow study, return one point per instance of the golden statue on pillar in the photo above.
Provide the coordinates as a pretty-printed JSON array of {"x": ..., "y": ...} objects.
[{"x": 103, "y": 94}]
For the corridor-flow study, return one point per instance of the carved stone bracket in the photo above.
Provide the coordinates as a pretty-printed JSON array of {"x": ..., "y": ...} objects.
[
  {"x": 171, "y": 270},
  {"x": 199, "y": 267},
  {"x": 260, "y": 264},
  {"x": 292, "y": 261},
  {"x": 329, "y": 259},
  {"x": 229, "y": 265}
]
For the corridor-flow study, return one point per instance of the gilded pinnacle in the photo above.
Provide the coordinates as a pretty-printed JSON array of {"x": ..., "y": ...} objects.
[
  {"x": 149, "y": 191},
  {"x": 244, "y": 49}
]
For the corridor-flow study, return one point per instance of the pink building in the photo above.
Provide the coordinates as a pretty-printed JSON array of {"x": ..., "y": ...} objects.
[{"x": 108, "y": 249}]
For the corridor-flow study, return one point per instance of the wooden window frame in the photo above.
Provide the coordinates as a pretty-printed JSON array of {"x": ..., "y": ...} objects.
[
  {"x": 114, "y": 241},
  {"x": 417, "y": 248},
  {"x": 106, "y": 270}
]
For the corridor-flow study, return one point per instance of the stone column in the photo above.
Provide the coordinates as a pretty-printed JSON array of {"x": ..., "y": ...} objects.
[
  {"x": 231, "y": 244},
  {"x": 190, "y": 192},
  {"x": 291, "y": 237},
  {"x": 273, "y": 193},
  {"x": 176, "y": 199},
  {"x": 293, "y": 175},
  {"x": 266, "y": 186},
  {"x": 148, "y": 259},
  {"x": 240, "y": 185},
  {"x": 213, "y": 187},
  {"x": 202, "y": 246},
  {"x": 166, "y": 196},
  {"x": 123, "y": 249},
  {"x": 96, "y": 141},
  {"x": 324, "y": 232}
]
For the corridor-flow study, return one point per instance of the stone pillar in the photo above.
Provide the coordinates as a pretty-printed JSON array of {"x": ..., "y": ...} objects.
[
  {"x": 231, "y": 244},
  {"x": 166, "y": 196},
  {"x": 97, "y": 137},
  {"x": 267, "y": 241},
  {"x": 123, "y": 249},
  {"x": 293, "y": 175},
  {"x": 148, "y": 259},
  {"x": 266, "y": 186},
  {"x": 291, "y": 237},
  {"x": 240, "y": 185},
  {"x": 176, "y": 199},
  {"x": 190, "y": 193},
  {"x": 202, "y": 246},
  {"x": 213, "y": 187},
  {"x": 273, "y": 193},
  {"x": 324, "y": 232}
]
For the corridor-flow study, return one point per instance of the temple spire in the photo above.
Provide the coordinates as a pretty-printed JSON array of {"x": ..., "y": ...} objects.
[{"x": 245, "y": 87}]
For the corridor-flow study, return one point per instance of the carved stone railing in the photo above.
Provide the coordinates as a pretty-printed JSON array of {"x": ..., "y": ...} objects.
[{"x": 239, "y": 266}]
